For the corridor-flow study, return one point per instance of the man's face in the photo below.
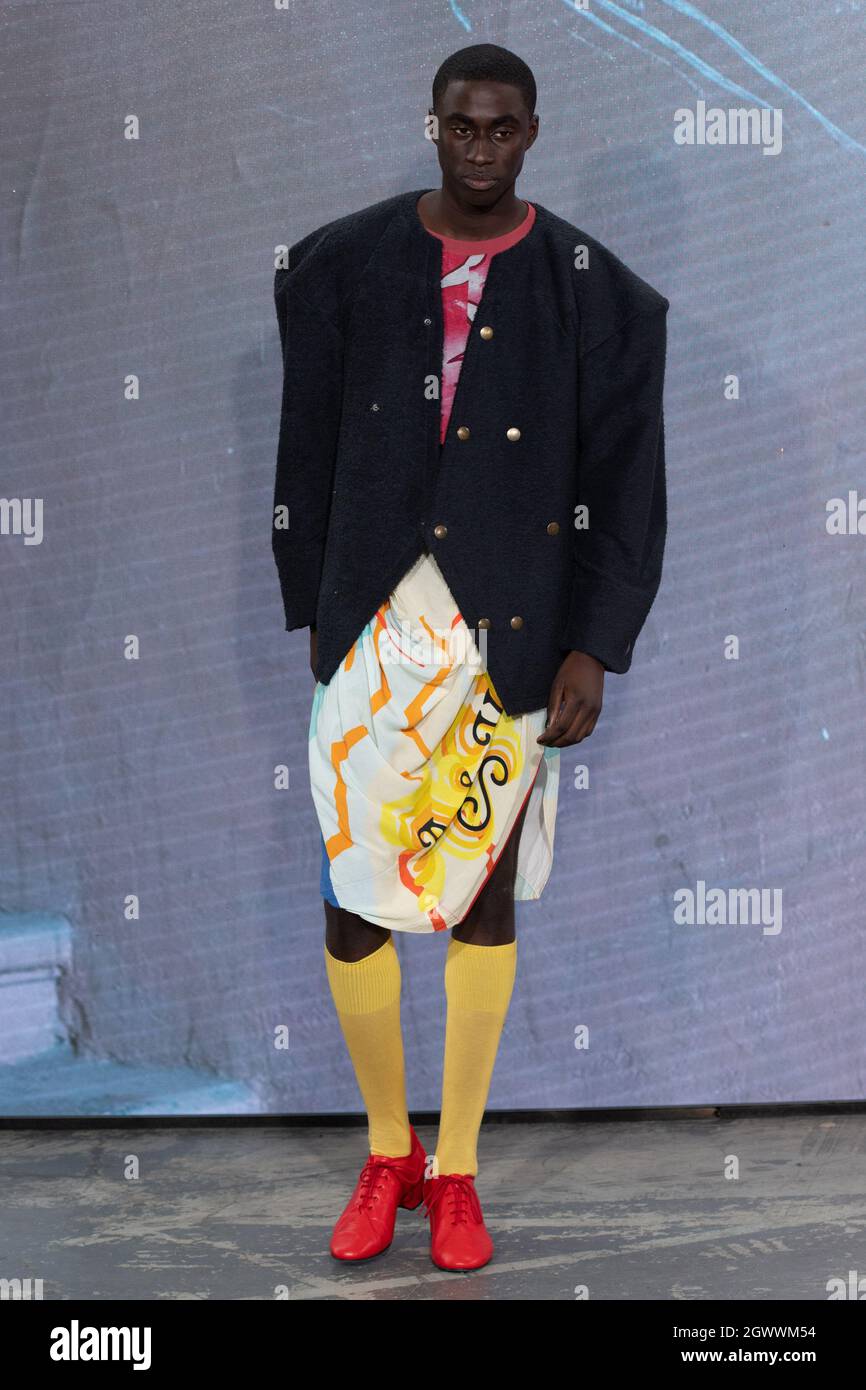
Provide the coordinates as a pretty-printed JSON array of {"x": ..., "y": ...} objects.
[{"x": 484, "y": 133}]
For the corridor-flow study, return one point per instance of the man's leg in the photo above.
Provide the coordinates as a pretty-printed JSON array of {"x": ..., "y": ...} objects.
[
  {"x": 364, "y": 975},
  {"x": 480, "y": 967}
]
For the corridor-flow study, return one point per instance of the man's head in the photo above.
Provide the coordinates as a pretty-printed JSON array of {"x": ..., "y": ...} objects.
[{"x": 484, "y": 104}]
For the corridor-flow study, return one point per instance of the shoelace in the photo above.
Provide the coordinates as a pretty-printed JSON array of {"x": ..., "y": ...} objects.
[
  {"x": 461, "y": 1189},
  {"x": 372, "y": 1176}
]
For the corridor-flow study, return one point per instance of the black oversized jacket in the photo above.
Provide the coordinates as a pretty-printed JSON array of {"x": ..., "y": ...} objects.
[{"x": 558, "y": 408}]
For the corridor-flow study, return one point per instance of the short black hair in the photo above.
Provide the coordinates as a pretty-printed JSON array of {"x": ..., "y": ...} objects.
[{"x": 487, "y": 62}]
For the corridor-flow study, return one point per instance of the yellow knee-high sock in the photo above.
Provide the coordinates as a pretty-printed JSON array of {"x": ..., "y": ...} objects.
[
  {"x": 367, "y": 999},
  {"x": 478, "y": 985}
]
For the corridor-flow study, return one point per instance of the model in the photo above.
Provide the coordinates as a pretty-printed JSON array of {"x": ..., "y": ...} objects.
[{"x": 469, "y": 516}]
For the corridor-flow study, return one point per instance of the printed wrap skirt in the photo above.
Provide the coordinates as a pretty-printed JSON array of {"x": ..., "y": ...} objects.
[{"x": 418, "y": 775}]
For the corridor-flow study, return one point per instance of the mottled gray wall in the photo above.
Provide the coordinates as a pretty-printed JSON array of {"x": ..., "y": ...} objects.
[{"x": 156, "y": 776}]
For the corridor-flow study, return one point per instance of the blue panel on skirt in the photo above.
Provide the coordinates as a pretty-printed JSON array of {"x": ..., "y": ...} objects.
[{"x": 325, "y": 886}]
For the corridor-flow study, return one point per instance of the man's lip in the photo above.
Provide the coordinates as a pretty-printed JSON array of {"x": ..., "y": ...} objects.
[{"x": 479, "y": 178}]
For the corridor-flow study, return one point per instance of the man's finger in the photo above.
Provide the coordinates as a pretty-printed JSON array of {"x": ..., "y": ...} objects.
[
  {"x": 555, "y": 699},
  {"x": 565, "y": 716}
]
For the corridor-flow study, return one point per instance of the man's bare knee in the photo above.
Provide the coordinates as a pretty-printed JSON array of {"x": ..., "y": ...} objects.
[{"x": 349, "y": 937}]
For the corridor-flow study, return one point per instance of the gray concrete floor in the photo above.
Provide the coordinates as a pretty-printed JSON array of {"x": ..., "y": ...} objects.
[{"x": 633, "y": 1209}]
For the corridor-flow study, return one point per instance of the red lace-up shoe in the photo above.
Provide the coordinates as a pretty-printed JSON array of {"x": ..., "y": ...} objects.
[
  {"x": 366, "y": 1227},
  {"x": 459, "y": 1238}
]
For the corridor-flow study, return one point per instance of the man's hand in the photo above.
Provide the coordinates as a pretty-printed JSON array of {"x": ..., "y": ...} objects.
[
  {"x": 314, "y": 650},
  {"x": 575, "y": 701}
]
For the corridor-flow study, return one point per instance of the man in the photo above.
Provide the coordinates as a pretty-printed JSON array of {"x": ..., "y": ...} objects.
[{"x": 469, "y": 515}]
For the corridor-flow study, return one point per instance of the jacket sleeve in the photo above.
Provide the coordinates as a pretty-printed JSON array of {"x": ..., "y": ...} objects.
[
  {"x": 312, "y": 350},
  {"x": 621, "y": 479}
]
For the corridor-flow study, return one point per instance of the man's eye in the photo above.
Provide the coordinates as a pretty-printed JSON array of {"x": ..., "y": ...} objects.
[{"x": 464, "y": 130}]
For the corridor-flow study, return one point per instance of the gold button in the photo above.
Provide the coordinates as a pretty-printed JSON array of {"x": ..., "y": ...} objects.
[
  {"x": 487, "y": 332},
  {"x": 553, "y": 528},
  {"x": 440, "y": 531},
  {"x": 483, "y": 622},
  {"x": 517, "y": 622},
  {"x": 463, "y": 432},
  {"x": 513, "y": 434}
]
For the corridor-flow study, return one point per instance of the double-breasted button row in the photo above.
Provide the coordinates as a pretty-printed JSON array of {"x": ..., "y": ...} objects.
[
  {"x": 441, "y": 530},
  {"x": 512, "y": 433}
]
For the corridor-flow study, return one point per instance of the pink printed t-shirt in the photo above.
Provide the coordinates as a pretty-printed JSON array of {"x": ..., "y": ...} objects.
[{"x": 464, "y": 270}]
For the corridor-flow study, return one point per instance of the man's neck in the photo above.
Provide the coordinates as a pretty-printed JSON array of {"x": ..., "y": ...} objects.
[{"x": 440, "y": 212}]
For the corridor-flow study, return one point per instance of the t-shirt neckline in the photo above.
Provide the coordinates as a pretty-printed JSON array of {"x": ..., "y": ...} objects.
[{"x": 489, "y": 244}]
